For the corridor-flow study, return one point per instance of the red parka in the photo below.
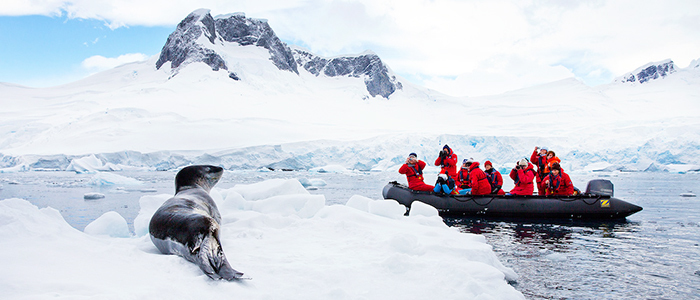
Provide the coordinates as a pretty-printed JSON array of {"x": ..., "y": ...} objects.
[
  {"x": 463, "y": 178},
  {"x": 448, "y": 165},
  {"x": 496, "y": 180},
  {"x": 414, "y": 176},
  {"x": 523, "y": 180},
  {"x": 560, "y": 185},
  {"x": 541, "y": 162},
  {"x": 479, "y": 183}
]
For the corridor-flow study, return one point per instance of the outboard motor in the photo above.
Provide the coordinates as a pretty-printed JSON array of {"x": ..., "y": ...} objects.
[{"x": 600, "y": 187}]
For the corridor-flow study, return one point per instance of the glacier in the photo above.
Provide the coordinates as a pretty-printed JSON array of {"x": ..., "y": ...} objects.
[{"x": 290, "y": 109}]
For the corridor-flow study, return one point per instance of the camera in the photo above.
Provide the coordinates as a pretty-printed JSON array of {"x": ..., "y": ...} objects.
[{"x": 443, "y": 153}]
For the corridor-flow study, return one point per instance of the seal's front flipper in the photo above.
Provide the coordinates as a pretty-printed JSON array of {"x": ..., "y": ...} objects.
[{"x": 228, "y": 273}]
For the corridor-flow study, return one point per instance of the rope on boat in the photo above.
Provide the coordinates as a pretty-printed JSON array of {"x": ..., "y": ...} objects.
[
  {"x": 472, "y": 199},
  {"x": 596, "y": 199}
]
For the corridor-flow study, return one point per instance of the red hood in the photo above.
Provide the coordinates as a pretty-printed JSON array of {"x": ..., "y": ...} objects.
[{"x": 474, "y": 165}]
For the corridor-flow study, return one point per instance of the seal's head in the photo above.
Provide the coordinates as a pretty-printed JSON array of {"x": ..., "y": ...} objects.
[{"x": 203, "y": 176}]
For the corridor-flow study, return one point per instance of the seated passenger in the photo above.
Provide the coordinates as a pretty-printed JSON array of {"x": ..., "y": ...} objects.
[
  {"x": 478, "y": 181},
  {"x": 494, "y": 177},
  {"x": 463, "y": 174},
  {"x": 558, "y": 183},
  {"x": 413, "y": 169},
  {"x": 445, "y": 185},
  {"x": 522, "y": 175}
]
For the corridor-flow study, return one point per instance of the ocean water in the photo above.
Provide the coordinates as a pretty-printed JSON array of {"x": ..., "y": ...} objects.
[{"x": 653, "y": 254}]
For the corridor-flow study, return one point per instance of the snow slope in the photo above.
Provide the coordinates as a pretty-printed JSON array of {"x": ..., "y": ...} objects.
[
  {"x": 137, "y": 115},
  {"x": 288, "y": 241}
]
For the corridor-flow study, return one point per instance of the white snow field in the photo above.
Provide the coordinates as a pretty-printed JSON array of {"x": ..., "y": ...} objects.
[{"x": 288, "y": 241}]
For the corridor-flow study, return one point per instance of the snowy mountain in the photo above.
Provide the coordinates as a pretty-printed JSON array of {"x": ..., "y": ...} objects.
[
  {"x": 650, "y": 71},
  {"x": 199, "y": 35},
  {"x": 225, "y": 90}
]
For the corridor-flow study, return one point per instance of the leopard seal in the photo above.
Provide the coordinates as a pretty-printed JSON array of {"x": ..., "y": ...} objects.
[{"x": 188, "y": 224}]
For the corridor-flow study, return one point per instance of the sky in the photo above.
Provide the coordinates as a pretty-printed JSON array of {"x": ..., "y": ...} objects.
[{"x": 458, "y": 47}]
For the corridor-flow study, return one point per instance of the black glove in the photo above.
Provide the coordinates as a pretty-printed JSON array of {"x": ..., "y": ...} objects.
[{"x": 496, "y": 189}]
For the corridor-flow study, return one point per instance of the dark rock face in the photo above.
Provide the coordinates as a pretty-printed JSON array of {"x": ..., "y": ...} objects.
[
  {"x": 185, "y": 46},
  {"x": 182, "y": 44},
  {"x": 244, "y": 31},
  {"x": 377, "y": 78},
  {"x": 651, "y": 72}
]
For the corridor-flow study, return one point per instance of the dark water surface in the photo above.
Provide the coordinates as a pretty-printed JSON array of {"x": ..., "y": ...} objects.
[{"x": 654, "y": 254}]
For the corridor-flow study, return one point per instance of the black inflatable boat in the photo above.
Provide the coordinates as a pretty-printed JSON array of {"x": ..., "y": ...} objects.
[{"x": 596, "y": 203}]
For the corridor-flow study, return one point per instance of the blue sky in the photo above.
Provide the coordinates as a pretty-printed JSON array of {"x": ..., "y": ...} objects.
[
  {"x": 458, "y": 47},
  {"x": 41, "y": 51}
]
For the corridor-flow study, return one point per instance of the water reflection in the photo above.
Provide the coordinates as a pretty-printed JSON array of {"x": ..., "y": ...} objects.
[{"x": 558, "y": 259}]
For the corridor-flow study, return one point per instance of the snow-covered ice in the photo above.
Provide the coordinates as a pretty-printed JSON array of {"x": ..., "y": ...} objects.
[{"x": 290, "y": 244}]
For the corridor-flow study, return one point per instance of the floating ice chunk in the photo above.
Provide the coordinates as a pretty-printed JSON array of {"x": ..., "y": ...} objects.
[
  {"x": 312, "y": 182},
  {"x": 359, "y": 202},
  {"x": 101, "y": 179},
  {"x": 149, "y": 204},
  {"x": 387, "y": 208},
  {"x": 329, "y": 169},
  {"x": 15, "y": 169},
  {"x": 556, "y": 257},
  {"x": 304, "y": 206},
  {"x": 421, "y": 209},
  {"x": 110, "y": 224},
  {"x": 688, "y": 195},
  {"x": 93, "y": 196},
  {"x": 270, "y": 188},
  {"x": 90, "y": 164}
]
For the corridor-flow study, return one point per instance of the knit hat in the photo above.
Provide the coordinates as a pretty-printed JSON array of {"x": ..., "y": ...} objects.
[
  {"x": 488, "y": 162},
  {"x": 413, "y": 154},
  {"x": 443, "y": 176},
  {"x": 555, "y": 166},
  {"x": 544, "y": 148},
  {"x": 523, "y": 162},
  {"x": 468, "y": 161}
]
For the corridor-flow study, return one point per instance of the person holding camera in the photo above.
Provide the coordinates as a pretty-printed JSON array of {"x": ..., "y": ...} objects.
[
  {"x": 413, "y": 169},
  {"x": 447, "y": 160},
  {"x": 445, "y": 185},
  {"x": 539, "y": 159},
  {"x": 523, "y": 174}
]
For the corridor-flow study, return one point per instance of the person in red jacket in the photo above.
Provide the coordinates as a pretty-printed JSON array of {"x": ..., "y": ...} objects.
[
  {"x": 447, "y": 160},
  {"x": 463, "y": 181},
  {"x": 558, "y": 183},
  {"x": 539, "y": 159},
  {"x": 494, "y": 177},
  {"x": 523, "y": 174},
  {"x": 551, "y": 159},
  {"x": 413, "y": 169},
  {"x": 480, "y": 185}
]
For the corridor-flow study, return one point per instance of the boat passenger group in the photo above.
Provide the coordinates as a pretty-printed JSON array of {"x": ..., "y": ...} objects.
[{"x": 470, "y": 179}]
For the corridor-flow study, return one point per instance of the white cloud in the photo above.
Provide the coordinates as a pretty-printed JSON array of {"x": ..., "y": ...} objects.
[
  {"x": 101, "y": 63},
  {"x": 452, "y": 44}
]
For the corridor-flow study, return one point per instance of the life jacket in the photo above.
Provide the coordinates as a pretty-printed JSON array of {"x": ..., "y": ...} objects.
[
  {"x": 461, "y": 177},
  {"x": 417, "y": 172},
  {"x": 553, "y": 182},
  {"x": 491, "y": 177}
]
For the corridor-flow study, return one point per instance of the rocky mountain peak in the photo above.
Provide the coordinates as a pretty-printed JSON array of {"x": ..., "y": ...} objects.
[
  {"x": 191, "y": 41},
  {"x": 650, "y": 71}
]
